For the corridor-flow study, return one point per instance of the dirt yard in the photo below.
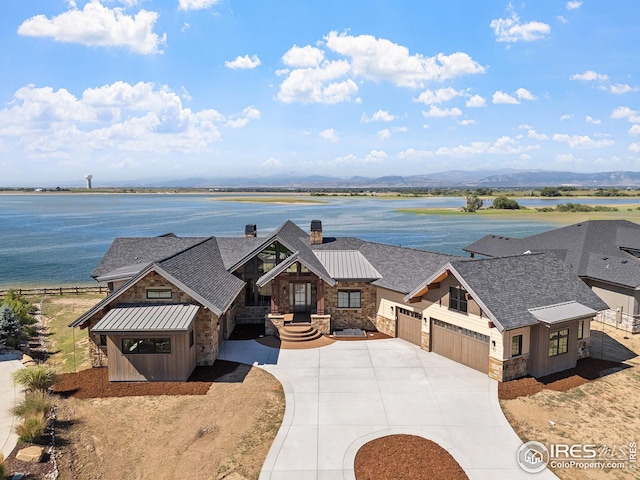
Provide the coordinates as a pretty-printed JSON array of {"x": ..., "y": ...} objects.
[
  {"x": 225, "y": 433},
  {"x": 603, "y": 412}
]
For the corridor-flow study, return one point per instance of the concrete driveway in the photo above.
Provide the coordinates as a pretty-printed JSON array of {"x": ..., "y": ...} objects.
[
  {"x": 341, "y": 396},
  {"x": 9, "y": 396}
]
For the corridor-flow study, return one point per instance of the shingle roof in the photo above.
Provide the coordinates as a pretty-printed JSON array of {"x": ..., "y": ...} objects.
[
  {"x": 507, "y": 287},
  {"x": 593, "y": 249},
  {"x": 146, "y": 318}
]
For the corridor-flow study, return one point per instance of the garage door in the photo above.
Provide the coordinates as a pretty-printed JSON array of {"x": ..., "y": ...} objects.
[
  {"x": 410, "y": 326},
  {"x": 460, "y": 344}
]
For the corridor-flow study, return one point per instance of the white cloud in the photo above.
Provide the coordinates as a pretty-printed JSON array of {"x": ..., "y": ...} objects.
[
  {"x": 562, "y": 19},
  {"x": 309, "y": 85},
  {"x": 251, "y": 112},
  {"x": 384, "y": 134},
  {"x": 379, "y": 116},
  {"x": 595, "y": 121},
  {"x": 119, "y": 117},
  {"x": 566, "y": 116},
  {"x": 243, "y": 62},
  {"x": 625, "y": 112},
  {"x": 442, "y": 112},
  {"x": 270, "y": 163},
  {"x": 379, "y": 59},
  {"x": 504, "y": 98},
  {"x": 567, "y": 158},
  {"x": 303, "y": 57},
  {"x": 512, "y": 30},
  {"x": 464, "y": 123},
  {"x": 634, "y": 131},
  {"x": 634, "y": 147},
  {"x": 621, "y": 88},
  {"x": 590, "y": 76},
  {"x": 476, "y": 101},
  {"x": 97, "y": 25},
  {"x": 582, "y": 141},
  {"x": 237, "y": 122},
  {"x": 538, "y": 136},
  {"x": 196, "y": 4},
  {"x": 574, "y": 5},
  {"x": 524, "y": 94},
  {"x": 330, "y": 134},
  {"x": 242, "y": 120},
  {"x": 439, "y": 96},
  {"x": 351, "y": 160}
]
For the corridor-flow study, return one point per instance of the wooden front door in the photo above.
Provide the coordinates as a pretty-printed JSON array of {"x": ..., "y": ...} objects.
[{"x": 300, "y": 297}]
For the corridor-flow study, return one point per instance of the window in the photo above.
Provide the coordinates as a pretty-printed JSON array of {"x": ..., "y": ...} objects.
[
  {"x": 558, "y": 342},
  {"x": 159, "y": 293},
  {"x": 580, "y": 329},
  {"x": 146, "y": 345},
  {"x": 458, "y": 299},
  {"x": 191, "y": 339},
  {"x": 103, "y": 340},
  {"x": 516, "y": 345},
  {"x": 349, "y": 298}
]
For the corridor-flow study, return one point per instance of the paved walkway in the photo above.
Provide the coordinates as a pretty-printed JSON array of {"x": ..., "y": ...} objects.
[
  {"x": 9, "y": 395},
  {"x": 341, "y": 396}
]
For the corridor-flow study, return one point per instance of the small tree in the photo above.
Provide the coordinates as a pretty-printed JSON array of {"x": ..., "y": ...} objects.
[
  {"x": 504, "y": 203},
  {"x": 474, "y": 203},
  {"x": 550, "y": 192},
  {"x": 9, "y": 326}
]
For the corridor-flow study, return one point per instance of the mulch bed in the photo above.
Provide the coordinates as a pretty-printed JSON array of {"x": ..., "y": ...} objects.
[
  {"x": 31, "y": 470},
  {"x": 94, "y": 383},
  {"x": 397, "y": 457},
  {"x": 586, "y": 370}
]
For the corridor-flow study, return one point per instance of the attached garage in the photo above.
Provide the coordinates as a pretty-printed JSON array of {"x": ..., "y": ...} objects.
[
  {"x": 460, "y": 345},
  {"x": 410, "y": 326}
]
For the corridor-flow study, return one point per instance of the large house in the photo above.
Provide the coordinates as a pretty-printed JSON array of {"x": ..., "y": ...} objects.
[
  {"x": 605, "y": 254},
  {"x": 174, "y": 300}
]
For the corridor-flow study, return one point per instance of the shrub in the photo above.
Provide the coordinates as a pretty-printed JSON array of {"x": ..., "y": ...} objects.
[
  {"x": 34, "y": 404},
  {"x": 504, "y": 203},
  {"x": 9, "y": 326},
  {"x": 33, "y": 378},
  {"x": 32, "y": 429}
]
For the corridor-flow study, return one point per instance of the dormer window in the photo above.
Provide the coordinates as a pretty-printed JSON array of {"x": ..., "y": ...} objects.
[{"x": 458, "y": 299}]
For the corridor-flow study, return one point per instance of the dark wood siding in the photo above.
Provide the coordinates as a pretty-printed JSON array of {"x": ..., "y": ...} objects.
[
  {"x": 450, "y": 341},
  {"x": 540, "y": 363}
]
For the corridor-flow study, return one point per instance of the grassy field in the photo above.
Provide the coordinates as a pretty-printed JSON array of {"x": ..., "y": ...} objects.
[{"x": 58, "y": 312}]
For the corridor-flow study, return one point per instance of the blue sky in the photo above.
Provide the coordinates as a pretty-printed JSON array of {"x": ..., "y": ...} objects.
[{"x": 130, "y": 89}]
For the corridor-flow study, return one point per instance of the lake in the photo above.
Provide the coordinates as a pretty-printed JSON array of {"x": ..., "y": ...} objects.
[{"x": 58, "y": 239}]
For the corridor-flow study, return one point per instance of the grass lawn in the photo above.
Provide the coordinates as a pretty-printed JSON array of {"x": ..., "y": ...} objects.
[{"x": 58, "y": 312}]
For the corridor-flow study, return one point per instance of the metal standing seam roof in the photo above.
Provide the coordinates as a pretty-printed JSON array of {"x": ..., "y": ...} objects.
[
  {"x": 347, "y": 264},
  {"x": 562, "y": 312},
  {"x": 148, "y": 318}
]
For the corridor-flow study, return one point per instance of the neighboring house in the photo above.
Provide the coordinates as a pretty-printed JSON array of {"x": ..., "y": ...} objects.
[
  {"x": 173, "y": 301},
  {"x": 605, "y": 254}
]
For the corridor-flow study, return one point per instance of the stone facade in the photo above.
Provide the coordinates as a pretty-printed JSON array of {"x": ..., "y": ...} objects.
[
  {"x": 583, "y": 347},
  {"x": 495, "y": 369},
  {"x": 363, "y": 317},
  {"x": 385, "y": 325},
  {"x": 515, "y": 367},
  {"x": 97, "y": 354},
  {"x": 425, "y": 341}
]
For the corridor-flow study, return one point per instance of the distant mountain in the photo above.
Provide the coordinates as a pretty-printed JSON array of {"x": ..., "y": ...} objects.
[{"x": 503, "y": 178}]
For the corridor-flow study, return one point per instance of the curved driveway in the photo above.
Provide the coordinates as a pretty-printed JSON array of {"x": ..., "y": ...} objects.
[{"x": 343, "y": 395}]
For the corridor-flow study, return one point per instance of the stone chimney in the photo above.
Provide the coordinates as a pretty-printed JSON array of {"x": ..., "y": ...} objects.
[
  {"x": 250, "y": 230},
  {"x": 316, "y": 232}
]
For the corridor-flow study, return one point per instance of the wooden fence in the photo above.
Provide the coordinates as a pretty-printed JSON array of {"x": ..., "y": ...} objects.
[{"x": 27, "y": 292}]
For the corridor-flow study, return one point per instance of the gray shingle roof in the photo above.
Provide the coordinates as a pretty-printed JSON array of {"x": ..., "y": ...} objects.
[
  {"x": 583, "y": 247},
  {"x": 507, "y": 287}
]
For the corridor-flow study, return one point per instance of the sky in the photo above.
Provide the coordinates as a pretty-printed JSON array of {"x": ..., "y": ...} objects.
[{"x": 140, "y": 89}]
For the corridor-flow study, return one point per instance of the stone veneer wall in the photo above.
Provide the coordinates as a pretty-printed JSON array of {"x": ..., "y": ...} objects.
[
  {"x": 385, "y": 325},
  {"x": 515, "y": 367},
  {"x": 583, "y": 347},
  {"x": 97, "y": 355},
  {"x": 425, "y": 341},
  {"x": 364, "y": 317}
]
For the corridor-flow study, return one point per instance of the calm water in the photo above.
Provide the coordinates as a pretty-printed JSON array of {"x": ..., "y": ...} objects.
[{"x": 50, "y": 239}]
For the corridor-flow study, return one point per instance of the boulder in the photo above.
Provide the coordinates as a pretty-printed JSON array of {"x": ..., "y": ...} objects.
[{"x": 30, "y": 454}]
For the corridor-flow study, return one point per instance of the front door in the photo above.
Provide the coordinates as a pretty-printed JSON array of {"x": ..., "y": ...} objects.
[{"x": 300, "y": 297}]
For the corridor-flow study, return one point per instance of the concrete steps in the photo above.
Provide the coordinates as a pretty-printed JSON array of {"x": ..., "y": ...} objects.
[{"x": 299, "y": 333}]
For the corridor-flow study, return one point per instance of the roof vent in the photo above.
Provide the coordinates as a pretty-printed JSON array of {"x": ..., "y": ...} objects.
[{"x": 251, "y": 230}]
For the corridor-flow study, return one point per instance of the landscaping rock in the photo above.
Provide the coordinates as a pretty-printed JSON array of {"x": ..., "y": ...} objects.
[{"x": 30, "y": 454}]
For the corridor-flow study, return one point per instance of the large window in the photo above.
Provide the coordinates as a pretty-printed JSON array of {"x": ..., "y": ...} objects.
[
  {"x": 146, "y": 345},
  {"x": 159, "y": 293},
  {"x": 349, "y": 298},
  {"x": 516, "y": 345},
  {"x": 558, "y": 342},
  {"x": 580, "y": 329},
  {"x": 458, "y": 299}
]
